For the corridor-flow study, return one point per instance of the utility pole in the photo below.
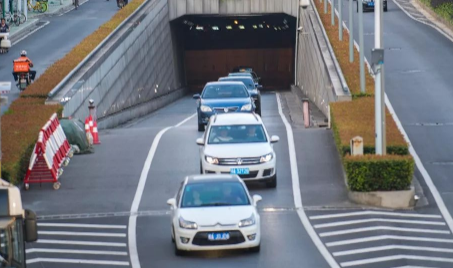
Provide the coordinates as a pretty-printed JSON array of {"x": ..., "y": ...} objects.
[
  {"x": 351, "y": 33},
  {"x": 340, "y": 20},
  {"x": 379, "y": 82},
  {"x": 332, "y": 10},
  {"x": 361, "y": 47}
]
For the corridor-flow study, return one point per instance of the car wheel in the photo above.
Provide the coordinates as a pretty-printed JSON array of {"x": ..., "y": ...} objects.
[
  {"x": 385, "y": 9},
  {"x": 201, "y": 168},
  {"x": 178, "y": 252},
  {"x": 172, "y": 234},
  {"x": 272, "y": 183},
  {"x": 201, "y": 127},
  {"x": 255, "y": 249}
]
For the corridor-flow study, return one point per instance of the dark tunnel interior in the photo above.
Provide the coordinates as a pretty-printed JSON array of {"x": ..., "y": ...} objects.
[{"x": 211, "y": 46}]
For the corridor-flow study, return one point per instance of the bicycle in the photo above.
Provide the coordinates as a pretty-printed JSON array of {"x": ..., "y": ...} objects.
[
  {"x": 40, "y": 6},
  {"x": 15, "y": 19}
]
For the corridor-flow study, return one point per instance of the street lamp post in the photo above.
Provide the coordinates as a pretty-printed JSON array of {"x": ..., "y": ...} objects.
[
  {"x": 361, "y": 48},
  {"x": 379, "y": 93},
  {"x": 351, "y": 33}
]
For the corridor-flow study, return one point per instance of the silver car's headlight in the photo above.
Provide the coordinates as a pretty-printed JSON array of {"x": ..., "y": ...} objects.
[
  {"x": 212, "y": 160},
  {"x": 247, "y": 107},
  {"x": 248, "y": 222},
  {"x": 187, "y": 224},
  {"x": 266, "y": 158},
  {"x": 205, "y": 108}
]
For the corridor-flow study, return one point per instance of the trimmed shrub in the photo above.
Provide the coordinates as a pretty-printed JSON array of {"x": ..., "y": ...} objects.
[
  {"x": 356, "y": 118},
  {"x": 350, "y": 70},
  {"x": 379, "y": 173},
  {"x": 28, "y": 114}
]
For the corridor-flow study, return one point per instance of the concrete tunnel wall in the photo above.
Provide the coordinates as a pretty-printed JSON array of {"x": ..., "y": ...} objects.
[
  {"x": 125, "y": 85},
  {"x": 141, "y": 75}
]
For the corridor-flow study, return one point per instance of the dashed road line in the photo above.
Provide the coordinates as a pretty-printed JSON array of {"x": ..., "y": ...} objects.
[
  {"x": 101, "y": 226},
  {"x": 83, "y": 243},
  {"x": 78, "y": 261},
  {"x": 391, "y": 247},
  {"x": 387, "y": 237},
  {"x": 383, "y": 228},
  {"x": 382, "y": 213},
  {"x": 81, "y": 234},
  {"x": 342, "y": 223},
  {"x": 395, "y": 257},
  {"x": 74, "y": 251}
]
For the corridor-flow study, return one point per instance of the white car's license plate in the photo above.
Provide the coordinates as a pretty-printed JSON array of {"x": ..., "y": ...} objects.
[
  {"x": 218, "y": 236},
  {"x": 240, "y": 171}
]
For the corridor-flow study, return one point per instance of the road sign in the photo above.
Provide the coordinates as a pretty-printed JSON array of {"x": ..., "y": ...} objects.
[{"x": 5, "y": 87}]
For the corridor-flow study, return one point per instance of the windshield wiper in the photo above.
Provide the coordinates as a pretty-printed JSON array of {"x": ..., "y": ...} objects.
[{"x": 217, "y": 204}]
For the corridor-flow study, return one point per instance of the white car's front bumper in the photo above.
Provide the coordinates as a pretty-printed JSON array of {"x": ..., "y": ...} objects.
[
  {"x": 239, "y": 238},
  {"x": 264, "y": 171}
]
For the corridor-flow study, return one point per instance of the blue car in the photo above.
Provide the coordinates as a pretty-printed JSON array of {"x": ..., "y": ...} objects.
[
  {"x": 222, "y": 97},
  {"x": 251, "y": 87}
]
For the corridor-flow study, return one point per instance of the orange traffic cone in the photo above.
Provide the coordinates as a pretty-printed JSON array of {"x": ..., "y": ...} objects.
[
  {"x": 88, "y": 131},
  {"x": 95, "y": 133}
]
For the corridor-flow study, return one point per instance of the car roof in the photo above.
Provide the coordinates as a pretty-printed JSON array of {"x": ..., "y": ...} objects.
[
  {"x": 224, "y": 83},
  {"x": 236, "y": 77},
  {"x": 240, "y": 74},
  {"x": 236, "y": 119},
  {"x": 212, "y": 178}
]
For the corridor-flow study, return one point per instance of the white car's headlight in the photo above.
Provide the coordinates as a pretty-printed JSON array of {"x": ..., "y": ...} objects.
[
  {"x": 266, "y": 158},
  {"x": 187, "y": 224},
  {"x": 247, "y": 107},
  {"x": 205, "y": 108},
  {"x": 248, "y": 222},
  {"x": 212, "y": 160}
]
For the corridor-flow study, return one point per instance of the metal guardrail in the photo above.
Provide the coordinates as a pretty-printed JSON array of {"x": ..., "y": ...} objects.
[
  {"x": 329, "y": 46},
  {"x": 68, "y": 77}
]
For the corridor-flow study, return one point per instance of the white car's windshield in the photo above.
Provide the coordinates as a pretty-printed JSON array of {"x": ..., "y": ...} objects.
[
  {"x": 225, "y": 91},
  {"x": 236, "y": 134},
  {"x": 212, "y": 194}
]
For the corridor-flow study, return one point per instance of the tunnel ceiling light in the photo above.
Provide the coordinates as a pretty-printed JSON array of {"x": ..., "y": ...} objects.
[
  {"x": 261, "y": 26},
  {"x": 229, "y": 27},
  {"x": 255, "y": 27},
  {"x": 279, "y": 28},
  {"x": 268, "y": 26},
  {"x": 236, "y": 22},
  {"x": 200, "y": 28},
  {"x": 242, "y": 27},
  {"x": 275, "y": 28},
  {"x": 215, "y": 28}
]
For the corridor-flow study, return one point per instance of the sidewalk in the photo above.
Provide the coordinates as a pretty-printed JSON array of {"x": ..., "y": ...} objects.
[{"x": 54, "y": 7}]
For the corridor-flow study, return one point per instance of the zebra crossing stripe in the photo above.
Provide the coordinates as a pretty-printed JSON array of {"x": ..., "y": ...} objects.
[
  {"x": 384, "y": 237},
  {"x": 55, "y": 260},
  {"x": 395, "y": 257},
  {"x": 341, "y": 223},
  {"x": 384, "y": 213},
  {"x": 84, "y": 243},
  {"x": 73, "y": 225},
  {"x": 379, "y": 228},
  {"x": 81, "y": 234},
  {"x": 391, "y": 247},
  {"x": 74, "y": 251}
]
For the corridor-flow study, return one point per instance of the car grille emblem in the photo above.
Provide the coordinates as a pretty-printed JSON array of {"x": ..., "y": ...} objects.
[
  {"x": 239, "y": 161},
  {"x": 225, "y": 110}
]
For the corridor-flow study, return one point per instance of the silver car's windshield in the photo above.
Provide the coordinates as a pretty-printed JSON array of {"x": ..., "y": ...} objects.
[
  {"x": 236, "y": 134},
  {"x": 213, "y": 194}
]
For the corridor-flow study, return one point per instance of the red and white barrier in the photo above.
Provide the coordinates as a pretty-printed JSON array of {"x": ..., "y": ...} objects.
[{"x": 50, "y": 153}]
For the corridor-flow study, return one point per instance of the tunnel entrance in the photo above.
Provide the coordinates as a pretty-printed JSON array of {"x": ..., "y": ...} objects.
[{"x": 210, "y": 47}]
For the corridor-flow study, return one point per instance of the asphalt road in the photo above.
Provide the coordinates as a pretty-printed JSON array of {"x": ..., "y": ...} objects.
[
  {"x": 418, "y": 79},
  {"x": 98, "y": 190},
  {"x": 52, "y": 42}
]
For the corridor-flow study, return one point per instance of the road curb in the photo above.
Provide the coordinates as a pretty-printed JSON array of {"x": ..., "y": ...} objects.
[{"x": 386, "y": 199}]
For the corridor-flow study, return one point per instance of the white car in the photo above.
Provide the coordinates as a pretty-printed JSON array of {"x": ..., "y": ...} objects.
[
  {"x": 238, "y": 143},
  {"x": 214, "y": 212}
]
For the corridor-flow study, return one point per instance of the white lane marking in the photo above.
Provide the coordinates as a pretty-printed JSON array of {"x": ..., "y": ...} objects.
[
  {"x": 74, "y": 251},
  {"x": 133, "y": 251},
  {"x": 407, "y": 266},
  {"x": 440, "y": 202},
  {"x": 391, "y": 247},
  {"x": 395, "y": 257},
  {"x": 32, "y": 32},
  {"x": 73, "y": 225},
  {"x": 55, "y": 260},
  {"x": 378, "y": 228},
  {"x": 84, "y": 243},
  {"x": 361, "y": 213},
  {"x": 385, "y": 237},
  {"x": 435, "y": 26},
  {"x": 296, "y": 191},
  {"x": 81, "y": 234},
  {"x": 342, "y": 223}
]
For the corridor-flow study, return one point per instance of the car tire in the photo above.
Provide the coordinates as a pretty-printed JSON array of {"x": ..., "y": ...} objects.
[
  {"x": 201, "y": 168},
  {"x": 201, "y": 127},
  {"x": 272, "y": 183},
  {"x": 255, "y": 249},
  {"x": 172, "y": 234},
  {"x": 178, "y": 252},
  {"x": 385, "y": 9}
]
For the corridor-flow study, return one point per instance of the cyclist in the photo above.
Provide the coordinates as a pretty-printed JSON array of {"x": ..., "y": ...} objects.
[{"x": 20, "y": 67}]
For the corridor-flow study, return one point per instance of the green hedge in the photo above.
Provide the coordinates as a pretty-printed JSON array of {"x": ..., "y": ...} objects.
[{"x": 378, "y": 173}]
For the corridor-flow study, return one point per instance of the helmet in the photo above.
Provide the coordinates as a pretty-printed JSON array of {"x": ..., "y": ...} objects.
[{"x": 23, "y": 53}]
